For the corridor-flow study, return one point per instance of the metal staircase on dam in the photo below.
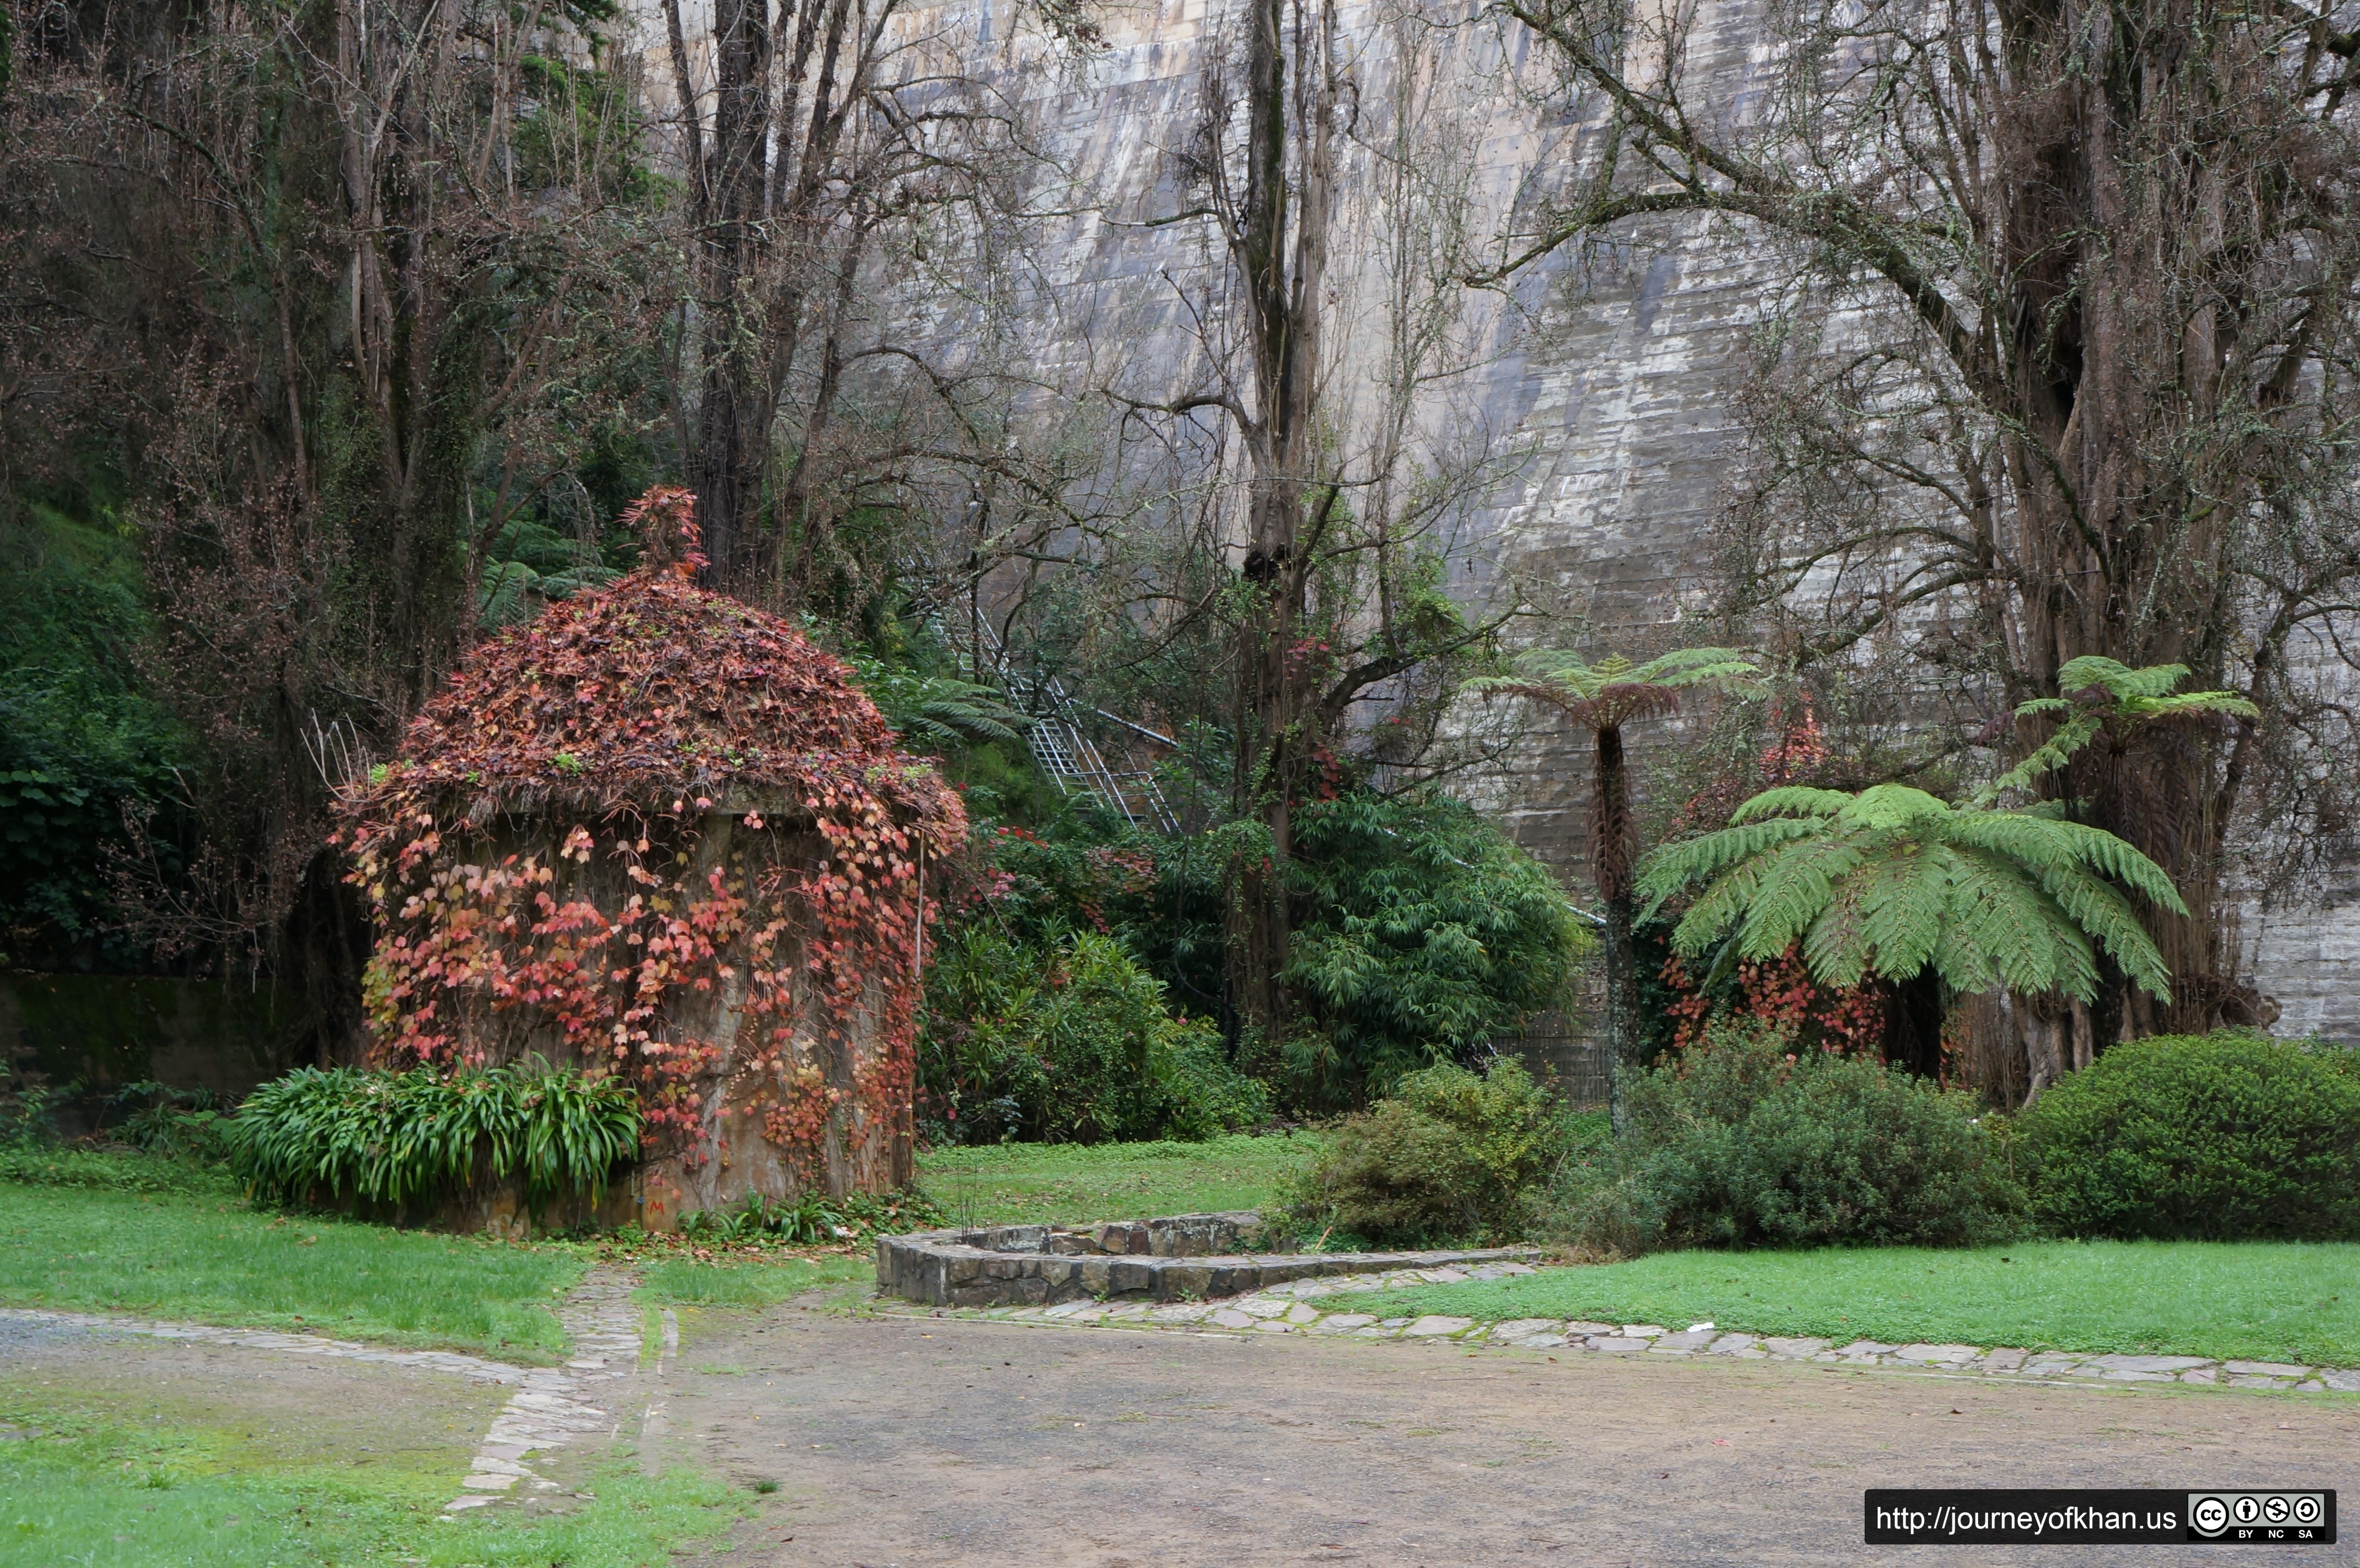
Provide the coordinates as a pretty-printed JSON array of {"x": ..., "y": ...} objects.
[{"x": 1065, "y": 731}]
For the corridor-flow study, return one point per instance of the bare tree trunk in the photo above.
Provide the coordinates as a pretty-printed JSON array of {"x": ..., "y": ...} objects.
[
  {"x": 1282, "y": 255},
  {"x": 737, "y": 403}
]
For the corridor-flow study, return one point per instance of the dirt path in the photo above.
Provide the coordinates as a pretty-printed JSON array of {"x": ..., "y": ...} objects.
[{"x": 910, "y": 1442}]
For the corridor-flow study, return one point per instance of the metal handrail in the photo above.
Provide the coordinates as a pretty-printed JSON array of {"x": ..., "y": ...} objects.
[{"x": 1057, "y": 741}]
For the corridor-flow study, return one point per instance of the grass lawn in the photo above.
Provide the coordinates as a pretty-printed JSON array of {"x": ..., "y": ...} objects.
[
  {"x": 205, "y": 1257},
  {"x": 2250, "y": 1300},
  {"x": 78, "y": 1484},
  {"x": 684, "y": 1281},
  {"x": 1026, "y": 1184}
]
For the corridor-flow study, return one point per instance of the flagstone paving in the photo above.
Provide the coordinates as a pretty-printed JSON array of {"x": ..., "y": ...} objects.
[
  {"x": 557, "y": 1406},
  {"x": 1324, "y": 1307}
]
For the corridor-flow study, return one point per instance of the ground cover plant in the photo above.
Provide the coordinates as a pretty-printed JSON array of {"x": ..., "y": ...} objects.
[
  {"x": 2252, "y": 1300},
  {"x": 388, "y": 1138},
  {"x": 81, "y": 1483},
  {"x": 114, "y": 1169},
  {"x": 1031, "y": 1184},
  {"x": 815, "y": 1219},
  {"x": 2210, "y": 1138},
  {"x": 748, "y": 1281},
  {"x": 209, "y": 1258}
]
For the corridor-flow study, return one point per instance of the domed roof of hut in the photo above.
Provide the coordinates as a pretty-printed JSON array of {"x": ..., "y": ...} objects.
[{"x": 651, "y": 690}]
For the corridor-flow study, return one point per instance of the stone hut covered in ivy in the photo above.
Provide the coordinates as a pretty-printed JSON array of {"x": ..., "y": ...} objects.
[{"x": 656, "y": 832}]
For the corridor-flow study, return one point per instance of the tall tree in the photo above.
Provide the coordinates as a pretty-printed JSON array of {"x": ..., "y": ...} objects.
[
  {"x": 317, "y": 298},
  {"x": 2074, "y": 379},
  {"x": 1603, "y": 698},
  {"x": 1326, "y": 495},
  {"x": 851, "y": 189}
]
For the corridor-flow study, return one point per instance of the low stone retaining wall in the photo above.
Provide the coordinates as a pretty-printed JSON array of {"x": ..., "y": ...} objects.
[{"x": 1176, "y": 1258}]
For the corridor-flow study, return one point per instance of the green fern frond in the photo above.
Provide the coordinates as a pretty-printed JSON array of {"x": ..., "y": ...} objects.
[
  {"x": 2047, "y": 758},
  {"x": 1965, "y": 968},
  {"x": 1721, "y": 906},
  {"x": 1999, "y": 910},
  {"x": 2098, "y": 848},
  {"x": 1903, "y": 906},
  {"x": 1793, "y": 800},
  {"x": 2118, "y": 680},
  {"x": 2025, "y": 836},
  {"x": 1672, "y": 866},
  {"x": 1798, "y": 882},
  {"x": 2099, "y": 908},
  {"x": 1836, "y": 950},
  {"x": 1696, "y": 667},
  {"x": 1889, "y": 808},
  {"x": 2197, "y": 702}
]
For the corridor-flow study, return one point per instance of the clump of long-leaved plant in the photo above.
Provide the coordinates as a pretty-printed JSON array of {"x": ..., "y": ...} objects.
[{"x": 394, "y": 1138}]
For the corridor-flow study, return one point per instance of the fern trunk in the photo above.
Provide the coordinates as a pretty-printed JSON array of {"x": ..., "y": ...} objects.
[{"x": 1611, "y": 858}]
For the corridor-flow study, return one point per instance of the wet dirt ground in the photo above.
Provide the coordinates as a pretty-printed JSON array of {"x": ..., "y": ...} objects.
[{"x": 909, "y": 1440}]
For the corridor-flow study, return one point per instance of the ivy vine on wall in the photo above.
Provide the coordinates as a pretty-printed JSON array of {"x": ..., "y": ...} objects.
[{"x": 657, "y": 831}]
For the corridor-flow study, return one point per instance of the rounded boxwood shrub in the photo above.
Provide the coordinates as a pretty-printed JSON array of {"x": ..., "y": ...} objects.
[
  {"x": 1739, "y": 1143},
  {"x": 1449, "y": 1155},
  {"x": 2214, "y": 1138}
]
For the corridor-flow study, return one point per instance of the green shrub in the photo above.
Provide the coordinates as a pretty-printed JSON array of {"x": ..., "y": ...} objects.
[
  {"x": 1071, "y": 1043},
  {"x": 1738, "y": 1143},
  {"x": 176, "y": 1124},
  {"x": 2213, "y": 1138},
  {"x": 1449, "y": 1155},
  {"x": 1421, "y": 934},
  {"x": 394, "y": 1138}
]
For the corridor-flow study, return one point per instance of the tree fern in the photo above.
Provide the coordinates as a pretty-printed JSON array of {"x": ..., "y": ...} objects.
[
  {"x": 1892, "y": 879},
  {"x": 1603, "y": 697},
  {"x": 2131, "y": 698}
]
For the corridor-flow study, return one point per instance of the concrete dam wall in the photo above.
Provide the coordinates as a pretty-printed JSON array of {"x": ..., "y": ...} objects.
[{"x": 1602, "y": 388}]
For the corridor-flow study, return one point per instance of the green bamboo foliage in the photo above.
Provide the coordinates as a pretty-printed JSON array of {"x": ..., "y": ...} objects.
[
  {"x": 393, "y": 1137},
  {"x": 1892, "y": 879}
]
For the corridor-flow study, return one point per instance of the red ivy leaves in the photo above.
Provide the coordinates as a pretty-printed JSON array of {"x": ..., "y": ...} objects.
[
  {"x": 635, "y": 709},
  {"x": 1781, "y": 993}
]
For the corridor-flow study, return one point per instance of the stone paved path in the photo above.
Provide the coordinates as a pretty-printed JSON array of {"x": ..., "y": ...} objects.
[
  {"x": 1314, "y": 1307},
  {"x": 588, "y": 1399}
]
